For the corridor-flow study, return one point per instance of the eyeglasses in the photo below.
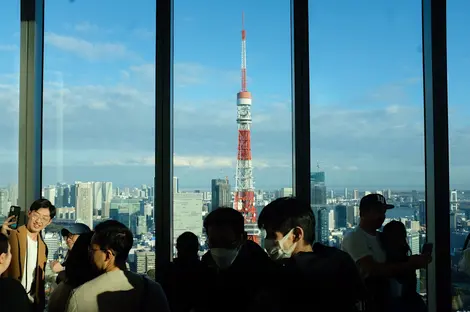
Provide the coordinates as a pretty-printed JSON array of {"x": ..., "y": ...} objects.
[{"x": 37, "y": 216}]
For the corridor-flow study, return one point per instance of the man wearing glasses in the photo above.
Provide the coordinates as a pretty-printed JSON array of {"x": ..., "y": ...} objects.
[{"x": 29, "y": 252}]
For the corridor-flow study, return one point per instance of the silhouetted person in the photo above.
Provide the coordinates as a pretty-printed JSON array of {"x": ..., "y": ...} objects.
[
  {"x": 397, "y": 250},
  {"x": 183, "y": 281},
  {"x": 29, "y": 252},
  {"x": 115, "y": 289},
  {"x": 78, "y": 271},
  {"x": 236, "y": 264},
  {"x": 309, "y": 270},
  {"x": 70, "y": 233},
  {"x": 12, "y": 294},
  {"x": 365, "y": 247}
]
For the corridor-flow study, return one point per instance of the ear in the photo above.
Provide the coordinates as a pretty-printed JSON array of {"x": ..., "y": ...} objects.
[
  {"x": 298, "y": 234},
  {"x": 2, "y": 258}
]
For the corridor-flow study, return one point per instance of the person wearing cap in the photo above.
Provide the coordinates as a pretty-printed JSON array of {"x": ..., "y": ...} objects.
[
  {"x": 70, "y": 234},
  {"x": 364, "y": 246}
]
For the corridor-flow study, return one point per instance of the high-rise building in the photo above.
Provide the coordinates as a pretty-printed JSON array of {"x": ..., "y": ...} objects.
[
  {"x": 453, "y": 201},
  {"x": 107, "y": 193},
  {"x": 50, "y": 193},
  {"x": 322, "y": 228},
  {"x": 97, "y": 197},
  {"x": 352, "y": 215},
  {"x": 285, "y": 192},
  {"x": 4, "y": 204},
  {"x": 84, "y": 206},
  {"x": 187, "y": 214},
  {"x": 346, "y": 194},
  {"x": 341, "y": 216},
  {"x": 356, "y": 195},
  {"x": 144, "y": 261},
  {"x": 221, "y": 194},
  {"x": 318, "y": 188}
]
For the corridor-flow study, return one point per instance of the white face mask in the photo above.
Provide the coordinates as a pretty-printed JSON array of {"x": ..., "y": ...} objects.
[
  {"x": 224, "y": 257},
  {"x": 276, "y": 249}
]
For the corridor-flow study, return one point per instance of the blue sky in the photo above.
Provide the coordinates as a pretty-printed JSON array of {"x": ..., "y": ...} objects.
[{"x": 366, "y": 91}]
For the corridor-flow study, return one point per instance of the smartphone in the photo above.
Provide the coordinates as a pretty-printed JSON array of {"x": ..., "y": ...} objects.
[
  {"x": 15, "y": 211},
  {"x": 427, "y": 248}
]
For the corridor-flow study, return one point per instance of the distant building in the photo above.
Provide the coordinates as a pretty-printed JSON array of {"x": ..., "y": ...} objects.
[
  {"x": 144, "y": 261},
  {"x": 285, "y": 192},
  {"x": 187, "y": 214},
  {"x": 221, "y": 195},
  {"x": 322, "y": 228},
  {"x": 341, "y": 216},
  {"x": 318, "y": 188}
]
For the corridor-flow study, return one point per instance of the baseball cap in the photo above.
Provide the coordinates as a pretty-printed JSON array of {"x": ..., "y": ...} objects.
[
  {"x": 373, "y": 200},
  {"x": 75, "y": 229}
]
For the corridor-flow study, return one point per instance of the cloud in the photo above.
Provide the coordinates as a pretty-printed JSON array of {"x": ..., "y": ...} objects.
[
  {"x": 87, "y": 49},
  {"x": 96, "y": 131}
]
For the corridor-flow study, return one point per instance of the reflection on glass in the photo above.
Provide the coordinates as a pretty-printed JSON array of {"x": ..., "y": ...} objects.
[
  {"x": 367, "y": 116},
  {"x": 99, "y": 120},
  {"x": 458, "y": 72},
  {"x": 9, "y": 106},
  {"x": 232, "y": 110}
]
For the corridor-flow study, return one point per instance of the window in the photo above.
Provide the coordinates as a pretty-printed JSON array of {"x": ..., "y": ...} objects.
[
  {"x": 99, "y": 118},
  {"x": 9, "y": 105},
  {"x": 207, "y": 79},
  {"x": 458, "y": 66},
  {"x": 367, "y": 115}
]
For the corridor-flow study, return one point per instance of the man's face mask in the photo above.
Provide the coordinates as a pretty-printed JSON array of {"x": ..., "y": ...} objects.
[
  {"x": 280, "y": 249},
  {"x": 224, "y": 257}
]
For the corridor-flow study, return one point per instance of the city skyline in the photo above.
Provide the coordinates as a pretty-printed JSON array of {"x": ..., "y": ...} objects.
[{"x": 366, "y": 92}]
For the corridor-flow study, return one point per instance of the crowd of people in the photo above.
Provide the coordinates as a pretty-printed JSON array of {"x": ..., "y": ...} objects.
[{"x": 374, "y": 271}]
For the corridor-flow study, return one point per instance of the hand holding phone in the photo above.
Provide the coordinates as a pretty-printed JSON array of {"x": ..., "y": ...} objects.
[
  {"x": 427, "y": 248},
  {"x": 15, "y": 213}
]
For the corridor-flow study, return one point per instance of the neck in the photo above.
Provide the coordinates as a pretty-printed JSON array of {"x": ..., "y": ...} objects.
[
  {"x": 2, "y": 269},
  {"x": 304, "y": 248},
  {"x": 113, "y": 267},
  {"x": 368, "y": 229},
  {"x": 33, "y": 235}
]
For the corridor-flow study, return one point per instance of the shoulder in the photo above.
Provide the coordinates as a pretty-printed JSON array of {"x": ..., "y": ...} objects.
[{"x": 10, "y": 284}]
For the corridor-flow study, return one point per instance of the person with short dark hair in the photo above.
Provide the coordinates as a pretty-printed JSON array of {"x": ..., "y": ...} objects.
[
  {"x": 12, "y": 294},
  {"x": 365, "y": 247},
  {"x": 29, "y": 252},
  {"x": 115, "y": 289},
  {"x": 233, "y": 261},
  {"x": 183, "y": 280},
  {"x": 289, "y": 227}
]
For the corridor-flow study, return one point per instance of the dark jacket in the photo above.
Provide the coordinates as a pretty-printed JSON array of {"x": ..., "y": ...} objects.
[
  {"x": 238, "y": 287},
  {"x": 13, "y": 296},
  {"x": 183, "y": 283},
  {"x": 323, "y": 280}
]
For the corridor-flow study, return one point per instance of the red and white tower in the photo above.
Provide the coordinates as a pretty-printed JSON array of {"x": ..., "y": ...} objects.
[{"x": 244, "y": 188}]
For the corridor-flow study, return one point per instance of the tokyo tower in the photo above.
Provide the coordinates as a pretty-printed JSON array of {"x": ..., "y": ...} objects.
[{"x": 244, "y": 189}]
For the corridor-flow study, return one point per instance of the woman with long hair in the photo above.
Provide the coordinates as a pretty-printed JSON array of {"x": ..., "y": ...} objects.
[
  {"x": 78, "y": 271},
  {"x": 395, "y": 244}
]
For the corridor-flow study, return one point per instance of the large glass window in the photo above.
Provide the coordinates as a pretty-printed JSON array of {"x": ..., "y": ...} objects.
[
  {"x": 367, "y": 115},
  {"x": 99, "y": 119},
  {"x": 9, "y": 105},
  {"x": 217, "y": 120},
  {"x": 458, "y": 64}
]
